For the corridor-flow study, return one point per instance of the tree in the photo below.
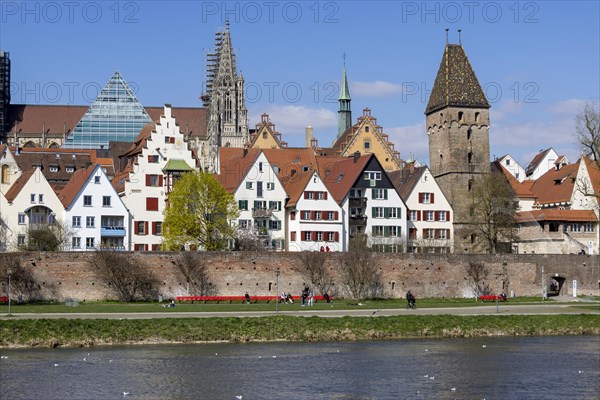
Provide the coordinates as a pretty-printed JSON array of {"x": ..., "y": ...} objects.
[
  {"x": 492, "y": 219},
  {"x": 22, "y": 281},
  {"x": 124, "y": 275},
  {"x": 587, "y": 128},
  {"x": 311, "y": 266},
  {"x": 358, "y": 270},
  {"x": 477, "y": 273},
  {"x": 193, "y": 267},
  {"x": 43, "y": 236},
  {"x": 198, "y": 214}
]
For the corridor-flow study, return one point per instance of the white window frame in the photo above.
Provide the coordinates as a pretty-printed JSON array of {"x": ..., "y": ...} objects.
[
  {"x": 76, "y": 242},
  {"x": 90, "y": 222},
  {"x": 429, "y": 216},
  {"x": 379, "y": 213},
  {"x": 76, "y": 221}
]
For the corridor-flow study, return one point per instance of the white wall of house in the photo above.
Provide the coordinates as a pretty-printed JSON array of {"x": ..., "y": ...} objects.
[
  {"x": 9, "y": 170},
  {"x": 513, "y": 167},
  {"x": 315, "y": 222},
  {"x": 145, "y": 191},
  {"x": 545, "y": 165},
  {"x": 97, "y": 217},
  {"x": 429, "y": 217},
  {"x": 261, "y": 189},
  {"x": 33, "y": 204},
  {"x": 386, "y": 220}
]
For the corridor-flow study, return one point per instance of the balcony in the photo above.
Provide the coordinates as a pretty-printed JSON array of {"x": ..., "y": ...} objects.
[
  {"x": 112, "y": 231},
  {"x": 262, "y": 212},
  {"x": 358, "y": 202},
  {"x": 358, "y": 220}
]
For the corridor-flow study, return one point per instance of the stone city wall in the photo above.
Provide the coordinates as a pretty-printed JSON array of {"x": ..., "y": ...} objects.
[{"x": 68, "y": 275}]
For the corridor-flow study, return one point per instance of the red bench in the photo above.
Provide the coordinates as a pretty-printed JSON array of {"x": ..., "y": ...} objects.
[
  {"x": 241, "y": 299},
  {"x": 492, "y": 297},
  {"x": 3, "y": 299}
]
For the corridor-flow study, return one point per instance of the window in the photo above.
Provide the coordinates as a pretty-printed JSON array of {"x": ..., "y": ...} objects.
[
  {"x": 141, "y": 227},
  {"x": 305, "y": 214},
  {"x": 309, "y": 195},
  {"x": 244, "y": 223},
  {"x": 153, "y": 159},
  {"x": 392, "y": 212},
  {"x": 442, "y": 234},
  {"x": 275, "y": 205},
  {"x": 70, "y": 170},
  {"x": 576, "y": 228},
  {"x": 243, "y": 205},
  {"x": 275, "y": 225},
  {"x": 259, "y": 189},
  {"x": 21, "y": 240},
  {"x": 367, "y": 145},
  {"x": 430, "y": 216},
  {"x": 469, "y": 132},
  {"x": 588, "y": 228},
  {"x": 318, "y": 215},
  {"x": 249, "y": 185},
  {"x": 96, "y": 179},
  {"x": 76, "y": 222},
  {"x": 306, "y": 236},
  {"x": 319, "y": 236},
  {"x": 379, "y": 194},
  {"x": 413, "y": 215},
  {"x": 460, "y": 116},
  {"x": 441, "y": 215},
  {"x": 270, "y": 185},
  {"x": 366, "y": 129},
  {"x": 21, "y": 219},
  {"x": 158, "y": 228},
  {"x": 377, "y": 230},
  {"x": 330, "y": 215},
  {"x": 41, "y": 198},
  {"x": 89, "y": 242},
  {"x": 87, "y": 201},
  {"x": 32, "y": 198},
  {"x": 372, "y": 175},
  {"x": 293, "y": 236},
  {"x": 476, "y": 117},
  {"x": 260, "y": 167},
  {"x": 76, "y": 243},
  {"x": 5, "y": 174},
  {"x": 330, "y": 236},
  {"x": 429, "y": 233},
  {"x": 320, "y": 195},
  {"x": 167, "y": 139},
  {"x": 152, "y": 203},
  {"x": 507, "y": 161},
  {"x": 426, "y": 198},
  {"x": 90, "y": 222},
  {"x": 153, "y": 180},
  {"x": 105, "y": 201},
  {"x": 377, "y": 212},
  {"x": 412, "y": 233},
  {"x": 264, "y": 134},
  {"x": 260, "y": 205}
]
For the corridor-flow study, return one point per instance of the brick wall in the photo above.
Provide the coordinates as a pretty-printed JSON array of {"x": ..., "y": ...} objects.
[{"x": 64, "y": 275}]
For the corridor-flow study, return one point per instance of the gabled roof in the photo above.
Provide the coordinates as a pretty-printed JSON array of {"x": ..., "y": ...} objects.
[
  {"x": 521, "y": 190},
  {"x": 191, "y": 120},
  {"x": 341, "y": 173},
  {"x": 235, "y": 163},
  {"x": 537, "y": 159},
  {"x": 177, "y": 165},
  {"x": 28, "y": 158},
  {"x": 556, "y": 186},
  {"x": 295, "y": 185},
  {"x": 19, "y": 184},
  {"x": 75, "y": 184},
  {"x": 291, "y": 161},
  {"x": 406, "y": 179},
  {"x": 554, "y": 214},
  {"x": 456, "y": 84}
]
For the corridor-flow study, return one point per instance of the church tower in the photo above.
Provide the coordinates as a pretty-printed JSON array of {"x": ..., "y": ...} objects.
[
  {"x": 225, "y": 102},
  {"x": 458, "y": 121},
  {"x": 344, "y": 113}
]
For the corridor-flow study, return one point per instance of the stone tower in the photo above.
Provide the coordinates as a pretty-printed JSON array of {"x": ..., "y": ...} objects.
[
  {"x": 344, "y": 113},
  {"x": 458, "y": 120},
  {"x": 224, "y": 99}
]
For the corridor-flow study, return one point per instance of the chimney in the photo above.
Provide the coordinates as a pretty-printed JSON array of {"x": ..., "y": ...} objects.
[
  {"x": 245, "y": 151},
  {"x": 309, "y": 136},
  {"x": 356, "y": 156}
]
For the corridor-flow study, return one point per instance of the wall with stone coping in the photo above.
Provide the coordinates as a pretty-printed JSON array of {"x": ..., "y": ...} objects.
[{"x": 68, "y": 275}]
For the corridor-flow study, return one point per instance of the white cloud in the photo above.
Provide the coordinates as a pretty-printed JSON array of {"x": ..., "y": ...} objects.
[
  {"x": 411, "y": 141},
  {"x": 375, "y": 89},
  {"x": 505, "y": 110},
  {"x": 570, "y": 107},
  {"x": 291, "y": 120}
]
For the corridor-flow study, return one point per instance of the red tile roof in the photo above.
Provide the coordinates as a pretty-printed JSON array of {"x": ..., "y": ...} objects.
[
  {"x": 295, "y": 185},
  {"x": 555, "y": 214},
  {"x": 521, "y": 190},
  {"x": 235, "y": 163},
  {"x": 341, "y": 173},
  {"x": 16, "y": 187},
  {"x": 556, "y": 186}
]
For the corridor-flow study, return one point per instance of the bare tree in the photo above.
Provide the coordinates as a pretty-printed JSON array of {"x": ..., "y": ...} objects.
[
  {"x": 193, "y": 267},
  {"x": 248, "y": 240},
  {"x": 311, "y": 266},
  {"x": 22, "y": 281},
  {"x": 587, "y": 130},
  {"x": 124, "y": 275},
  {"x": 477, "y": 273},
  {"x": 50, "y": 236},
  {"x": 358, "y": 270}
]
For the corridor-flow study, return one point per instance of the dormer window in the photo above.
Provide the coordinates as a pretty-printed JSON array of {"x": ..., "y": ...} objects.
[
  {"x": 54, "y": 168},
  {"x": 70, "y": 169}
]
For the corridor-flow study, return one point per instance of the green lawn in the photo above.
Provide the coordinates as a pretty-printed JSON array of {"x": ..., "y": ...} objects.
[{"x": 341, "y": 304}]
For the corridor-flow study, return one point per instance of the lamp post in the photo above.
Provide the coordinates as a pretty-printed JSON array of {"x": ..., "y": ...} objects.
[
  {"x": 496, "y": 276},
  {"x": 277, "y": 272},
  {"x": 9, "y": 273}
]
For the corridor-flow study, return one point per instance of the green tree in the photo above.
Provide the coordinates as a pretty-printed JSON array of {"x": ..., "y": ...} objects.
[
  {"x": 198, "y": 214},
  {"x": 492, "y": 220}
]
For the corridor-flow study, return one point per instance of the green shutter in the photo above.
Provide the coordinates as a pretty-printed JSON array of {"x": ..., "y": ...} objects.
[
  {"x": 385, "y": 194},
  {"x": 373, "y": 193},
  {"x": 373, "y": 230},
  {"x": 398, "y": 212},
  {"x": 386, "y": 231},
  {"x": 373, "y": 213},
  {"x": 386, "y": 212}
]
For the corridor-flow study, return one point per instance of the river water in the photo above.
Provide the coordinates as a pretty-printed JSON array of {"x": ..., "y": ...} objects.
[{"x": 482, "y": 368}]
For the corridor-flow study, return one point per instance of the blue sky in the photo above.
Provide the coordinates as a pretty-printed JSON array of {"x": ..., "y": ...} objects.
[{"x": 537, "y": 61}]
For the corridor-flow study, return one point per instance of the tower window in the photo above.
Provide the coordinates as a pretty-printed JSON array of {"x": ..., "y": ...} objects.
[
  {"x": 470, "y": 157},
  {"x": 469, "y": 132},
  {"x": 441, "y": 118},
  {"x": 470, "y": 184},
  {"x": 476, "y": 117},
  {"x": 460, "y": 116},
  {"x": 366, "y": 129}
]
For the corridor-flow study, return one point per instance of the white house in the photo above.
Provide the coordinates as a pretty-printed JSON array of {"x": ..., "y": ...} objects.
[
  {"x": 513, "y": 167},
  {"x": 544, "y": 161},
  {"x": 156, "y": 160},
  {"x": 94, "y": 213},
  {"x": 429, "y": 212}
]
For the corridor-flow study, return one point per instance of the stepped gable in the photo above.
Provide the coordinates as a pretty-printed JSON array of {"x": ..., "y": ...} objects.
[{"x": 456, "y": 84}]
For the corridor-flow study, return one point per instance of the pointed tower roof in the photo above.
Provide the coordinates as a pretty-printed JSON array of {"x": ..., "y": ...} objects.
[
  {"x": 456, "y": 84},
  {"x": 115, "y": 115},
  {"x": 344, "y": 91}
]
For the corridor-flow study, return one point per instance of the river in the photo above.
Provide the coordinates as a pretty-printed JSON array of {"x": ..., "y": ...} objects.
[{"x": 482, "y": 368}]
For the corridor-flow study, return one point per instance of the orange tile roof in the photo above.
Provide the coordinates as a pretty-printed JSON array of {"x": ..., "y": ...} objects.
[
  {"x": 555, "y": 214},
  {"x": 72, "y": 188},
  {"x": 235, "y": 163},
  {"x": 594, "y": 172},
  {"x": 556, "y": 186},
  {"x": 16, "y": 187},
  {"x": 520, "y": 189},
  {"x": 294, "y": 186},
  {"x": 537, "y": 159},
  {"x": 331, "y": 168},
  {"x": 291, "y": 159}
]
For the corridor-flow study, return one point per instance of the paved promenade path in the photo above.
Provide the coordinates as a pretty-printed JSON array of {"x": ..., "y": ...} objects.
[{"x": 503, "y": 309}]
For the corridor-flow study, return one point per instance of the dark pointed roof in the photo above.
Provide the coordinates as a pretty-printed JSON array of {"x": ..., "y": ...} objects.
[{"x": 456, "y": 84}]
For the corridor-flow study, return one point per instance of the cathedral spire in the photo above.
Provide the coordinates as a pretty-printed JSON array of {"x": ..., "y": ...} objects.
[{"x": 344, "y": 113}]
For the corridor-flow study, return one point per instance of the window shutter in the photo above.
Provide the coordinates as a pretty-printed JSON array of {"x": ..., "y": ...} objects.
[
  {"x": 154, "y": 228},
  {"x": 147, "y": 180},
  {"x": 314, "y": 235},
  {"x": 160, "y": 180},
  {"x": 312, "y": 215},
  {"x": 420, "y": 197},
  {"x": 373, "y": 230},
  {"x": 335, "y": 215},
  {"x": 447, "y": 233},
  {"x": 424, "y": 235},
  {"x": 437, "y": 233},
  {"x": 324, "y": 195},
  {"x": 372, "y": 193},
  {"x": 305, "y": 194},
  {"x": 386, "y": 212},
  {"x": 323, "y": 215},
  {"x": 302, "y": 235},
  {"x": 431, "y": 197},
  {"x": 386, "y": 231},
  {"x": 293, "y": 215},
  {"x": 172, "y": 139},
  {"x": 418, "y": 215},
  {"x": 399, "y": 212},
  {"x": 448, "y": 216},
  {"x": 399, "y": 231},
  {"x": 373, "y": 213},
  {"x": 435, "y": 216},
  {"x": 385, "y": 194},
  {"x": 146, "y": 227},
  {"x": 337, "y": 236},
  {"x": 135, "y": 227}
]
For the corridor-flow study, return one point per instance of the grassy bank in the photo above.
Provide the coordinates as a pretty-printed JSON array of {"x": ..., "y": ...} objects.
[{"x": 76, "y": 332}]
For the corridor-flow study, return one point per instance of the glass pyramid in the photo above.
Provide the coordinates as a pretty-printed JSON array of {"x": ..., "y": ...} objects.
[{"x": 115, "y": 115}]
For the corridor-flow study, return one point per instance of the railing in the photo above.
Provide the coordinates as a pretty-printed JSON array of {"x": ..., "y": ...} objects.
[
  {"x": 358, "y": 220},
  {"x": 358, "y": 202},
  {"x": 262, "y": 212},
  {"x": 112, "y": 231}
]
